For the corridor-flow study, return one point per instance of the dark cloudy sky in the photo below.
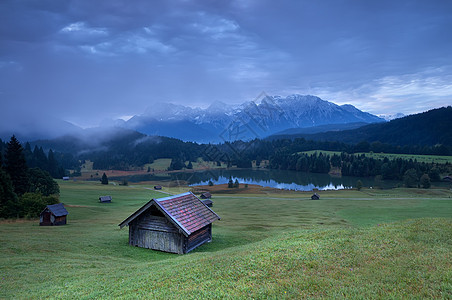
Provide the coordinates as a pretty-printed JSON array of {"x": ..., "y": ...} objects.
[{"x": 86, "y": 60}]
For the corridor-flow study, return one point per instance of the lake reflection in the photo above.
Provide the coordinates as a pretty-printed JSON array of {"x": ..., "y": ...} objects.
[
  {"x": 280, "y": 179},
  {"x": 288, "y": 180}
]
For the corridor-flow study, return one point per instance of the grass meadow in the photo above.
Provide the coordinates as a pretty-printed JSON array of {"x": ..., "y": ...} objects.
[
  {"x": 438, "y": 159},
  {"x": 349, "y": 244}
]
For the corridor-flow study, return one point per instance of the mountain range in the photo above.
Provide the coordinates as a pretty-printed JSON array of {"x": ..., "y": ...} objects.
[{"x": 221, "y": 122}]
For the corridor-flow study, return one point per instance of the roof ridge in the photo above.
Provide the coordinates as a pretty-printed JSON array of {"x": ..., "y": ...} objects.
[{"x": 171, "y": 197}]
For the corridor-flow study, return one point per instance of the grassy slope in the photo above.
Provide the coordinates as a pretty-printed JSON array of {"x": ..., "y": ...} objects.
[
  {"x": 420, "y": 158},
  {"x": 271, "y": 245}
]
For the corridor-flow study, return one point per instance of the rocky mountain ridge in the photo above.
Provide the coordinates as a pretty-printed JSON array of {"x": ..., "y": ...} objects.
[{"x": 221, "y": 122}]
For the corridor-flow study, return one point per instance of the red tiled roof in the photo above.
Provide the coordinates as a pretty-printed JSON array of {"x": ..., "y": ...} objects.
[
  {"x": 186, "y": 211},
  {"x": 190, "y": 212}
]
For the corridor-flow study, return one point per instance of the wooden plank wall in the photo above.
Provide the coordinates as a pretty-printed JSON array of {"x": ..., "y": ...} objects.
[{"x": 157, "y": 233}]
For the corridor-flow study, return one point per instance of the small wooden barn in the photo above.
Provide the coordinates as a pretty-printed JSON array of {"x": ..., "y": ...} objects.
[
  {"x": 208, "y": 202},
  {"x": 53, "y": 215},
  {"x": 176, "y": 224},
  {"x": 157, "y": 187},
  {"x": 105, "y": 199},
  {"x": 315, "y": 196},
  {"x": 206, "y": 195}
]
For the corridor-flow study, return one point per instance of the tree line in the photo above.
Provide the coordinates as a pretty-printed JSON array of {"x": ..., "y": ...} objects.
[
  {"x": 411, "y": 172},
  {"x": 130, "y": 150},
  {"x": 24, "y": 191}
]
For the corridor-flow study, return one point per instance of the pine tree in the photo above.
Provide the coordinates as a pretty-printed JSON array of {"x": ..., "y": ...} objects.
[
  {"x": 8, "y": 199},
  {"x": 40, "y": 159},
  {"x": 104, "y": 179},
  {"x": 53, "y": 168},
  {"x": 236, "y": 184},
  {"x": 28, "y": 155},
  {"x": 16, "y": 166},
  {"x": 230, "y": 183}
]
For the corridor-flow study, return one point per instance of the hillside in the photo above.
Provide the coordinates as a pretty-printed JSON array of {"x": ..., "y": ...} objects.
[
  {"x": 319, "y": 129},
  {"x": 428, "y": 128},
  {"x": 279, "y": 246},
  {"x": 119, "y": 148}
]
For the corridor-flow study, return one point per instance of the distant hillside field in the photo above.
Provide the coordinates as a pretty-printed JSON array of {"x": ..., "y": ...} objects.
[
  {"x": 420, "y": 158},
  {"x": 349, "y": 244}
]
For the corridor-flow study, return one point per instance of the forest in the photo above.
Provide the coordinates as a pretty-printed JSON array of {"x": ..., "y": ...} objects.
[
  {"x": 427, "y": 130},
  {"x": 24, "y": 191}
]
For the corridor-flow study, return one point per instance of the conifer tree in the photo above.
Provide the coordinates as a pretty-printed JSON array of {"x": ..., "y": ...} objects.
[
  {"x": 236, "y": 183},
  {"x": 52, "y": 165},
  {"x": 8, "y": 199},
  {"x": 16, "y": 166},
  {"x": 104, "y": 179},
  {"x": 39, "y": 158},
  {"x": 230, "y": 183}
]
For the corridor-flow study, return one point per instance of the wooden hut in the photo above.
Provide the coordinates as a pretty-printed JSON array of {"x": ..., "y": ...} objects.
[
  {"x": 206, "y": 195},
  {"x": 208, "y": 202},
  {"x": 315, "y": 196},
  {"x": 157, "y": 187},
  {"x": 53, "y": 215},
  {"x": 105, "y": 199},
  {"x": 176, "y": 224}
]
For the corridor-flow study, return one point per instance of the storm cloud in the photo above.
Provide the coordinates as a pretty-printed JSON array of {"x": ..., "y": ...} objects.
[{"x": 86, "y": 61}]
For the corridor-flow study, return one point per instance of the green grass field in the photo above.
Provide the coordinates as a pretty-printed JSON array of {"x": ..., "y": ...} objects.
[
  {"x": 361, "y": 244},
  {"x": 420, "y": 158},
  {"x": 161, "y": 164}
]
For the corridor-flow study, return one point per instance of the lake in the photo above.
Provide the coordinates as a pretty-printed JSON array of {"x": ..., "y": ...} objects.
[{"x": 280, "y": 179}]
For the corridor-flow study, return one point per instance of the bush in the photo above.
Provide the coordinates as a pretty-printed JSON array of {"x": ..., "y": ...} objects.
[
  {"x": 32, "y": 204},
  {"x": 425, "y": 181},
  {"x": 410, "y": 178},
  {"x": 359, "y": 185},
  {"x": 42, "y": 182}
]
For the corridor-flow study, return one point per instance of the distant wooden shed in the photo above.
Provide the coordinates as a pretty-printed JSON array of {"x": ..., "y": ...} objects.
[
  {"x": 206, "y": 195},
  {"x": 105, "y": 199},
  {"x": 157, "y": 187},
  {"x": 53, "y": 215},
  {"x": 208, "y": 202},
  {"x": 176, "y": 224},
  {"x": 315, "y": 196}
]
